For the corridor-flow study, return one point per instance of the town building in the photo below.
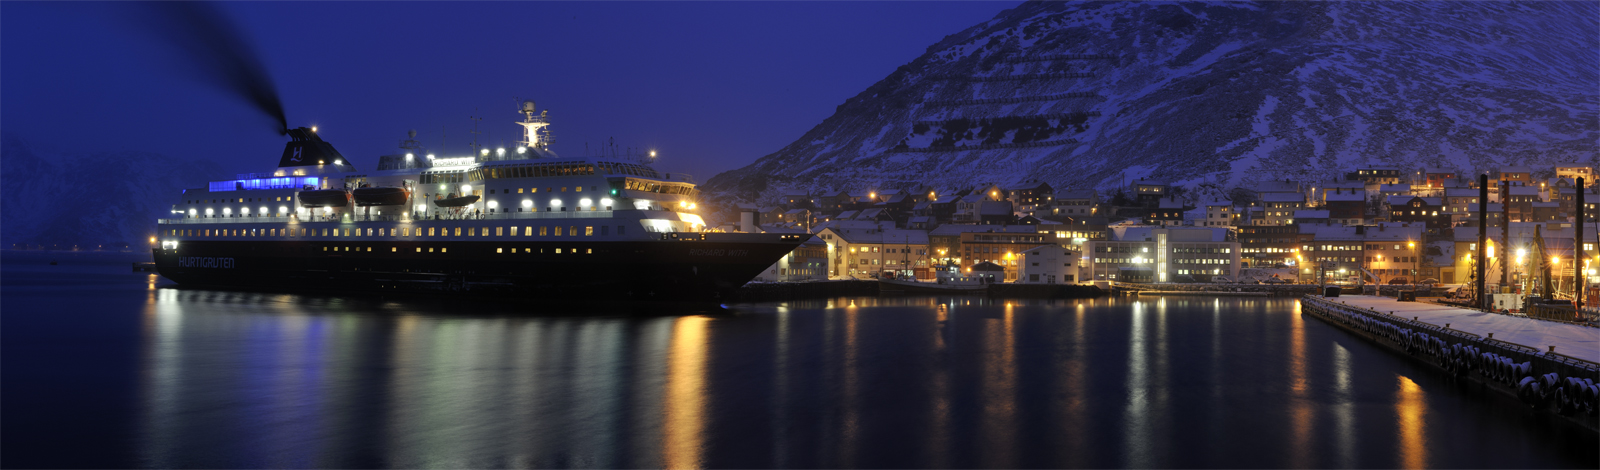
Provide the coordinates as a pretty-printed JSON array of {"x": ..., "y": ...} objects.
[
  {"x": 1268, "y": 246},
  {"x": 1049, "y": 264},
  {"x": 1513, "y": 175},
  {"x": 1218, "y": 213},
  {"x": 1346, "y": 206},
  {"x": 1160, "y": 254},
  {"x": 808, "y": 262},
  {"x": 1573, "y": 171},
  {"x": 1148, "y": 193},
  {"x": 1002, "y": 248},
  {"x": 1279, "y": 207},
  {"x": 1031, "y": 198},
  {"x": 869, "y": 250},
  {"x": 1394, "y": 251},
  {"x": 1075, "y": 203},
  {"x": 1167, "y": 212}
]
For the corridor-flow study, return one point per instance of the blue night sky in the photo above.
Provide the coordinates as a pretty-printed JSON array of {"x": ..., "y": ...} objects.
[{"x": 712, "y": 85}]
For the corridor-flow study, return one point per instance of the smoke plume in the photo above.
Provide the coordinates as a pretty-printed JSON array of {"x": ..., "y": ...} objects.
[{"x": 214, "y": 47}]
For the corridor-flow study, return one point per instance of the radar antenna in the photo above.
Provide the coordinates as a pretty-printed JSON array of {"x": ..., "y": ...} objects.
[{"x": 411, "y": 143}]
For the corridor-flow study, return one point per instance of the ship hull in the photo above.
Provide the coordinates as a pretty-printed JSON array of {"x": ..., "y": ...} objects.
[{"x": 675, "y": 271}]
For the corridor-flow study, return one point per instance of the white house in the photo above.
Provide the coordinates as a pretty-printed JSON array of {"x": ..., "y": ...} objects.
[{"x": 1049, "y": 264}]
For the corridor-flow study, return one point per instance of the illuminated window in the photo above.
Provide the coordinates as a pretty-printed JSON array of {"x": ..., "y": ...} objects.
[
  {"x": 572, "y": 230},
  {"x": 558, "y": 251},
  {"x": 558, "y": 230},
  {"x": 458, "y": 231},
  {"x": 500, "y": 250},
  {"x": 588, "y": 231},
  {"x": 442, "y": 250},
  {"x": 394, "y": 249},
  {"x": 544, "y": 231}
]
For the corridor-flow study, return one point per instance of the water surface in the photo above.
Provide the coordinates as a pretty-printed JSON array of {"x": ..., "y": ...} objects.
[{"x": 108, "y": 368}]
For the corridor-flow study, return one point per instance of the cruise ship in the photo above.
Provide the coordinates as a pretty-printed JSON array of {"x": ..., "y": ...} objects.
[{"x": 519, "y": 221}]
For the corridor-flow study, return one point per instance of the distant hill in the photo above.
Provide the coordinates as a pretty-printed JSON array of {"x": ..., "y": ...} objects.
[
  {"x": 1093, "y": 94},
  {"x": 88, "y": 200}
]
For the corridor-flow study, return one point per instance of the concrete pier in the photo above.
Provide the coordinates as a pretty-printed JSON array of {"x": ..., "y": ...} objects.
[
  {"x": 1516, "y": 360},
  {"x": 1571, "y": 340}
]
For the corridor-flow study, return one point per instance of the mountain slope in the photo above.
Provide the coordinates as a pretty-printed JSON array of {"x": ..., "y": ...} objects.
[
  {"x": 105, "y": 199},
  {"x": 1093, "y": 94}
]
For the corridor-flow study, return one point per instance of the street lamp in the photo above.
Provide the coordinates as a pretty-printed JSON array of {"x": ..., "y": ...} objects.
[{"x": 1416, "y": 264}]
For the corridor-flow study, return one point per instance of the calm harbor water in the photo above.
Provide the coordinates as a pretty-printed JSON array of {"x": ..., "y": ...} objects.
[{"x": 103, "y": 367}]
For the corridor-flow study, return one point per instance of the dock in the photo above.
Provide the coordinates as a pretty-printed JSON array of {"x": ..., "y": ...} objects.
[
  {"x": 1547, "y": 365},
  {"x": 1577, "y": 341}
]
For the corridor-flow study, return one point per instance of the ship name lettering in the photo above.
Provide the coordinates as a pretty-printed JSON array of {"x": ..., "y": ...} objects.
[
  {"x": 205, "y": 262},
  {"x": 717, "y": 252}
]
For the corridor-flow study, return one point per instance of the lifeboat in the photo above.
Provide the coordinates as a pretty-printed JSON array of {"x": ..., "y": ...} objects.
[
  {"x": 324, "y": 198},
  {"x": 379, "y": 196},
  {"x": 455, "y": 201}
]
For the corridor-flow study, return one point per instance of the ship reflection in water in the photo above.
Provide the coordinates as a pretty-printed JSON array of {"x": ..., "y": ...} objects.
[{"x": 262, "y": 380}]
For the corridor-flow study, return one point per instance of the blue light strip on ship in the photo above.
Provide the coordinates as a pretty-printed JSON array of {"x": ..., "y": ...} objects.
[{"x": 263, "y": 183}]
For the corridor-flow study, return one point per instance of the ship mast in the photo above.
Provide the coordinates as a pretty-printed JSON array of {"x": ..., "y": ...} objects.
[{"x": 535, "y": 134}]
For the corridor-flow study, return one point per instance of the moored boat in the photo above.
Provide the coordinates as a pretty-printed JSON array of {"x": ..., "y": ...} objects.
[{"x": 521, "y": 222}]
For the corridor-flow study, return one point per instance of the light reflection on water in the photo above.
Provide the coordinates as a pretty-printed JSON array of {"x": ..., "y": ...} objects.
[{"x": 263, "y": 380}]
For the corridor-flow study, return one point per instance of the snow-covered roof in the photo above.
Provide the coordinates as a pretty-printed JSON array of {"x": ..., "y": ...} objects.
[
  {"x": 1394, "y": 188},
  {"x": 1522, "y": 191},
  {"x": 1460, "y": 192},
  {"x": 847, "y": 215},
  {"x": 1310, "y": 214}
]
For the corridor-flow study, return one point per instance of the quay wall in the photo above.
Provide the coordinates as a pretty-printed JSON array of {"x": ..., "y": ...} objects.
[
  {"x": 1275, "y": 290},
  {"x": 1505, "y": 367},
  {"x": 777, "y": 291},
  {"x": 1045, "y": 291}
]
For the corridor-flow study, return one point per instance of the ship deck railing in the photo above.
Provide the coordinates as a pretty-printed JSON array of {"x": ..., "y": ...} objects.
[{"x": 391, "y": 218}]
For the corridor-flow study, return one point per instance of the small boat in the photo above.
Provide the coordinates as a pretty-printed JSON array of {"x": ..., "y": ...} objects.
[
  {"x": 455, "y": 201},
  {"x": 324, "y": 198},
  {"x": 386, "y": 196}
]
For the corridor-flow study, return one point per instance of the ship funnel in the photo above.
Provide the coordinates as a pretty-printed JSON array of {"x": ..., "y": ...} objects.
[{"x": 305, "y": 148}]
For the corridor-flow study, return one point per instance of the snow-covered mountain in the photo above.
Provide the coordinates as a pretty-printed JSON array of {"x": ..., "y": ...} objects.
[
  {"x": 105, "y": 199},
  {"x": 1093, "y": 94}
]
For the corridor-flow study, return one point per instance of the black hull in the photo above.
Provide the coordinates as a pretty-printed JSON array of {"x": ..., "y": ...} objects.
[{"x": 671, "y": 271}]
